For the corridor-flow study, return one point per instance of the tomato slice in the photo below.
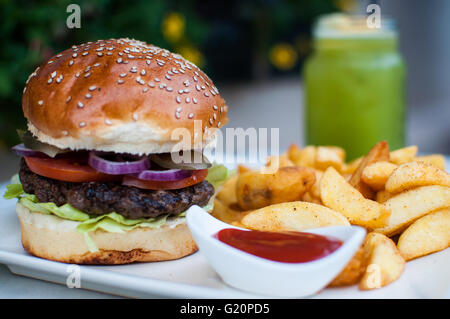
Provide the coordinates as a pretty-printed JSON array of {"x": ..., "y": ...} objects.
[
  {"x": 196, "y": 177},
  {"x": 68, "y": 170}
]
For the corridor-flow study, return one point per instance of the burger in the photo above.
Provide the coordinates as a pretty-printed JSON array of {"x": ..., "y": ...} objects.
[{"x": 112, "y": 157}]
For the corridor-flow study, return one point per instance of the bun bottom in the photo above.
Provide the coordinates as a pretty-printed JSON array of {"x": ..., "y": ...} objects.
[{"x": 54, "y": 238}]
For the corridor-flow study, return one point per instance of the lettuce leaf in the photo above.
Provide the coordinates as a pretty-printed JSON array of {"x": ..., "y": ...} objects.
[
  {"x": 13, "y": 191},
  {"x": 218, "y": 174}
]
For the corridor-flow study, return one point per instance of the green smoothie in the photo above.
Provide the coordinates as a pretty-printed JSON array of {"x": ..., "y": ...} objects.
[{"x": 354, "y": 90}]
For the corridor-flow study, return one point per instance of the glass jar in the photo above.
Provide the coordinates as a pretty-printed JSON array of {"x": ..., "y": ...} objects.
[{"x": 354, "y": 86}]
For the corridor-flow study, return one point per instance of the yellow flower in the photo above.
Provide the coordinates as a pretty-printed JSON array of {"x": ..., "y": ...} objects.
[
  {"x": 192, "y": 54},
  {"x": 283, "y": 56},
  {"x": 173, "y": 26}
]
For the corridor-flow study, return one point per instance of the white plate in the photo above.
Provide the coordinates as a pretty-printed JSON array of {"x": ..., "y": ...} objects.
[{"x": 192, "y": 277}]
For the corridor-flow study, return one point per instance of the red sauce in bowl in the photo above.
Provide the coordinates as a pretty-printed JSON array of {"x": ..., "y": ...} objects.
[{"x": 287, "y": 247}]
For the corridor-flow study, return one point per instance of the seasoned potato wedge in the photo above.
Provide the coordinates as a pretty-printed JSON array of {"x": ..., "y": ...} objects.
[
  {"x": 414, "y": 174},
  {"x": 302, "y": 157},
  {"x": 383, "y": 196},
  {"x": 437, "y": 160},
  {"x": 403, "y": 155},
  {"x": 408, "y": 206},
  {"x": 283, "y": 161},
  {"x": 351, "y": 167},
  {"x": 426, "y": 235},
  {"x": 351, "y": 274},
  {"x": 340, "y": 196},
  {"x": 384, "y": 262},
  {"x": 375, "y": 175},
  {"x": 255, "y": 190},
  {"x": 378, "y": 153},
  {"x": 227, "y": 193},
  {"x": 307, "y": 197},
  {"x": 293, "y": 216},
  {"x": 327, "y": 156},
  {"x": 225, "y": 213},
  {"x": 315, "y": 188}
]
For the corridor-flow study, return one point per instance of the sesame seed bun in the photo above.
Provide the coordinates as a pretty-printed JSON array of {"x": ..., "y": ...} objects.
[
  {"x": 121, "y": 95},
  {"x": 54, "y": 238}
]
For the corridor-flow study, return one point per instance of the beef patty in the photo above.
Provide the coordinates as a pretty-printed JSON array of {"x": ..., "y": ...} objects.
[{"x": 98, "y": 198}]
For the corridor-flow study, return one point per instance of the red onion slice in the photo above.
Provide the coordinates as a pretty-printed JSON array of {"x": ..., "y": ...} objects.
[
  {"x": 22, "y": 150},
  {"x": 165, "y": 176},
  {"x": 117, "y": 168}
]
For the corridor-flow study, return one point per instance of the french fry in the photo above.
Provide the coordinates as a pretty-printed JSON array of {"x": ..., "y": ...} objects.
[
  {"x": 293, "y": 216},
  {"x": 302, "y": 157},
  {"x": 227, "y": 193},
  {"x": 327, "y": 156},
  {"x": 384, "y": 262},
  {"x": 383, "y": 196},
  {"x": 437, "y": 160},
  {"x": 378, "y": 153},
  {"x": 408, "y": 206},
  {"x": 340, "y": 196},
  {"x": 415, "y": 174},
  {"x": 375, "y": 175},
  {"x": 352, "y": 273},
  {"x": 403, "y": 155},
  {"x": 426, "y": 235},
  {"x": 255, "y": 190}
]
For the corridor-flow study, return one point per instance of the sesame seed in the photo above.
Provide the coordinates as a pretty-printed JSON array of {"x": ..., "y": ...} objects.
[
  {"x": 143, "y": 72},
  {"x": 53, "y": 74},
  {"x": 186, "y": 90},
  {"x": 85, "y": 53},
  {"x": 92, "y": 88},
  {"x": 119, "y": 60},
  {"x": 148, "y": 62},
  {"x": 206, "y": 94},
  {"x": 58, "y": 80},
  {"x": 88, "y": 96},
  {"x": 191, "y": 115},
  {"x": 82, "y": 124},
  {"x": 50, "y": 62},
  {"x": 133, "y": 69},
  {"x": 169, "y": 89},
  {"x": 108, "y": 122},
  {"x": 65, "y": 133},
  {"x": 197, "y": 87},
  {"x": 210, "y": 121},
  {"x": 77, "y": 74},
  {"x": 142, "y": 82},
  {"x": 120, "y": 81},
  {"x": 74, "y": 55},
  {"x": 144, "y": 90},
  {"x": 49, "y": 81},
  {"x": 177, "y": 115},
  {"x": 179, "y": 109},
  {"x": 151, "y": 85},
  {"x": 186, "y": 83},
  {"x": 96, "y": 64},
  {"x": 135, "y": 117},
  {"x": 108, "y": 53},
  {"x": 87, "y": 69},
  {"x": 194, "y": 100},
  {"x": 178, "y": 99},
  {"x": 87, "y": 75},
  {"x": 168, "y": 77},
  {"x": 40, "y": 102},
  {"x": 214, "y": 116},
  {"x": 68, "y": 99},
  {"x": 215, "y": 107},
  {"x": 122, "y": 75},
  {"x": 180, "y": 91},
  {"x": 71, "y": 63},
  {"x": 195, "y": 78},
  {"x": 188, "y": 100},
  {"x": 80, "y": 105},
  {"x": 218, "y": 124},
  {"x": 157, "y": 79}
]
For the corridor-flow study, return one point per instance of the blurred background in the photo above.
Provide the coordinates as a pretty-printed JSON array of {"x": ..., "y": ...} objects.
[{"x": 254, "y": 51}]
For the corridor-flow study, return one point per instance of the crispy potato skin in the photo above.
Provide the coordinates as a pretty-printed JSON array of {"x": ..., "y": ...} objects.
[
  {"x": 375, "y": 175},
  {"x": 403, "y": 155},
  {"x": 255, "y": 190},
  {"x": 384, "y": 263},
  {"x": 426, "y": 235},
  {"x": 353, "y": 272},
  {"x": 437, "y": 160},
  {"x": 415, "y": 174},
  {"x": 378, "y": 153}
]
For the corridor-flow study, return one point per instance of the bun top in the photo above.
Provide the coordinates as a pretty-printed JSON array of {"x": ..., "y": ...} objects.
[{"x": 122, "y": 95}]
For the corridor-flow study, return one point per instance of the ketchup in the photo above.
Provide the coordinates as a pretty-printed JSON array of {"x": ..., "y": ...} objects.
[{"x": 287, "y": 247}]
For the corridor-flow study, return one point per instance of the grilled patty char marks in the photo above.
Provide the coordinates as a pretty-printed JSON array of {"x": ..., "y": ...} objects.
[{"x": 98, "y": 198}]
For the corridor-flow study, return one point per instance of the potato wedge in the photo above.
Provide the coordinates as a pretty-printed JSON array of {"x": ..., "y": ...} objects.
[
  {"x": 315, "y": 188},
  {"x": 227, "y": 193},
  {"x": 403, "y": 155},
  {"x": 351, "y": 274},
  {"x": 415, "y": 174},
  {"x": 378, "y": 153},
  {"x": 340, "y": 196},
  {"x": 375, "y": 175},
  {"x": 426, "y": 235},
  {"x": 408, "y": 206},
  {"x": 293, "y": 216},
  {"x": 351, "y": 167},
  {"x": 384, "y": 262},
  {"x": 225, "y": 213},
  {"x": 383, "y": 196},
  {"x": 255, "y": 190},
  {"x": 437, "y": 160},
  {"x": 327, "y": 156},
  {"x": 283, "y": 161},
  {"x": 302, "y": 157},
  {"x": 307, "y": 197}
]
